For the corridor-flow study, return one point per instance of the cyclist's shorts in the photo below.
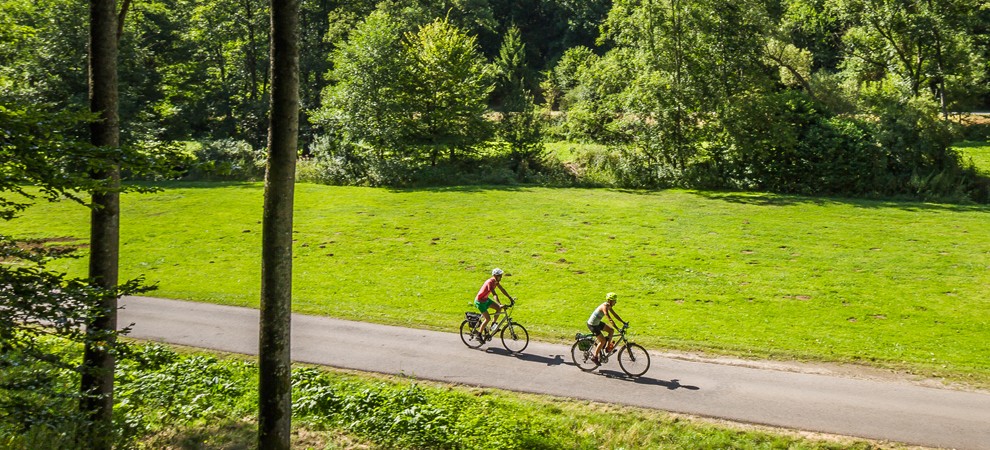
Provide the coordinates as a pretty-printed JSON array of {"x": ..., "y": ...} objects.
[
  {"x": 483, "y": 305},
  {"x": 597, "y": 329}
]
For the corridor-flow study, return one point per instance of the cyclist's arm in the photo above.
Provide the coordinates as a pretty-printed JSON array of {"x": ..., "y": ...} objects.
[
  {"x": 617, "y": 316},
  {"x": 612, "y": 312},
  {"x": 503, "y": 291}
]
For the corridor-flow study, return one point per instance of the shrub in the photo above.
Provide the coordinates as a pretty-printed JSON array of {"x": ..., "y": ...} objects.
[{"x": 227, "y": 159}]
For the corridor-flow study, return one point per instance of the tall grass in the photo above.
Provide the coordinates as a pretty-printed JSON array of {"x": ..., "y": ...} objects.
[{"x": 895, "y": 284}]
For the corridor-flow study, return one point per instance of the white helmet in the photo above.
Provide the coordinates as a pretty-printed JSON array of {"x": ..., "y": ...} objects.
[{"x": 496, "y": 271}]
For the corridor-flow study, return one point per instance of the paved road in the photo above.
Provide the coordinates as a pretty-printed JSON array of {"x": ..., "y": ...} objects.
[{"x": 893, "y": 411}]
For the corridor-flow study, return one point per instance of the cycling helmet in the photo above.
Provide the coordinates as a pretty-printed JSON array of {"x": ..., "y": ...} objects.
[
  {"x": 611, "y": 297},
  {"x": 496, "y": 271}
]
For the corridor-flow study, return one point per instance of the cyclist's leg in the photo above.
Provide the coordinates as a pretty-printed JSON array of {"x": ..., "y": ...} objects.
[
  {"x": 483, "y": 308},
  {"x": 611, "y": 332},
  {"x": 498, "y": 313},
  {"x": 599, "y": 339},
  {"x": 485, "y": 318}
]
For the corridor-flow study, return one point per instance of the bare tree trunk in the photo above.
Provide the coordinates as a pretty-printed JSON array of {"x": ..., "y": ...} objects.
[
  {"x": 275, "y": 386},
  {"x": 96, "y": 384}
]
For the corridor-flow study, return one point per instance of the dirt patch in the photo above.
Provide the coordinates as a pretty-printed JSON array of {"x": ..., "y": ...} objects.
[
  {"x": 971, "y": 119},
  {"x": 52, "y": 246}
]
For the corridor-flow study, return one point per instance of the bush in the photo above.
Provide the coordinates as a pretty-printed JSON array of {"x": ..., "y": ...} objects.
[
  {"x": 227, "y": 159},
  {"x": 40, "y": 401}
]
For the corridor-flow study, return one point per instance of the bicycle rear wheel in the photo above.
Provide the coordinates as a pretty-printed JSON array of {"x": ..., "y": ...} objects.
[
  {"x": 582, "y": 358},
  {"x": 473, "y": 341},
  {"x": 515, "y": 338},
  {"x": 634, "y": 360}
]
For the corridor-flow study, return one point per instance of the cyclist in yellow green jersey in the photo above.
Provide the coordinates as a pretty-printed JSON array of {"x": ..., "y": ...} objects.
[{"x": 596, "y": 325}]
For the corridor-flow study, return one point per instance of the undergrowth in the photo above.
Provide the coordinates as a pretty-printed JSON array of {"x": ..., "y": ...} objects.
[{"x": 169, "y": 399}]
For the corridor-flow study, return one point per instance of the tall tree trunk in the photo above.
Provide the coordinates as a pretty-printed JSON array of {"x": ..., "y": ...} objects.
[
  {"x": 98, "y": 361},
  {"x": 275, "y": 386}
]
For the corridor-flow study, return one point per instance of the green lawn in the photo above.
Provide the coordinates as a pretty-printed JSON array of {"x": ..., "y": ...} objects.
[
  {"x": 900, "y": 285},
  {"x": 976, "y": 152}
]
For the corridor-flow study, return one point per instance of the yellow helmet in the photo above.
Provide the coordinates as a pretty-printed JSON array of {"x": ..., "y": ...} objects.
[{"x": 611, "y": 297}]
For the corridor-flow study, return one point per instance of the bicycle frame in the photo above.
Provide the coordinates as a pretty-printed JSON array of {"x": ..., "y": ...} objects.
[
  {"x": 514, "y": 336},
  {"x": 618, "y": 342},
  {"x": 633, "y": 358},
  {"x": 505, "y": 320}
]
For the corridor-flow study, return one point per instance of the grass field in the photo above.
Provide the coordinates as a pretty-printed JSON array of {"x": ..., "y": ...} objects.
[{"x": 898, "y": 285}]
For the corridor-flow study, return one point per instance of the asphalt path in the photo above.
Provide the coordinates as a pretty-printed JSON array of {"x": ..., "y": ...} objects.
[{"x": 896, "y": 411}]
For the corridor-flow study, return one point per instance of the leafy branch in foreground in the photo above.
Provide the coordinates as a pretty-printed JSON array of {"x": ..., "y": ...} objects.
[{"x": 48, "y": 149}]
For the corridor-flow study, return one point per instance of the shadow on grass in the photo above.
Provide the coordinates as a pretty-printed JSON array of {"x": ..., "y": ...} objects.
[
  {"x": 668, "y": 384},
  {"x": 166, "y": 185},
  {"x": 739, "y": 197},
  {"x": 765, "y": 199},
  {"x": 470, "y": 188},
  {"x": 230, "y": 435}
]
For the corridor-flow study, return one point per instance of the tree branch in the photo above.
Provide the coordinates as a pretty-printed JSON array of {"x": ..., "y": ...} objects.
[{"x": 120, "y": 18}]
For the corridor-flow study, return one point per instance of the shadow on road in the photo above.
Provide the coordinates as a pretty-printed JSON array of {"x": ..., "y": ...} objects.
[
  {"x": 670, "y": 385},
  {"x": 554, "y": 360}
]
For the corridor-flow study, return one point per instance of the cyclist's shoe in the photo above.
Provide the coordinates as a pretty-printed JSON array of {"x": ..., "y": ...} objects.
[{"x": 594, "y": 359}]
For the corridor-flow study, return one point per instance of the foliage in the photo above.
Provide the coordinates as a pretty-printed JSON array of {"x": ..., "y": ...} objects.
[
  {"x": 519, "y": 125},
  {"x": 724, "y": 100},
  {"x": 226, "y": 159},
  {"x": 44, "y": 148},
  {"x": 450, "y": 89},
  {"x": 926, "y": 46},
  {"x": 396, "y": 94},
  {"x": 367, "y": 106},
  {"x": 661, "y": 80},
  {"x": 40, "y": 304}
]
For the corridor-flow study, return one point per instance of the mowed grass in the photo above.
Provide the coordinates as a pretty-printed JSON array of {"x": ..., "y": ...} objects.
[{"x": 898, "y": 285}]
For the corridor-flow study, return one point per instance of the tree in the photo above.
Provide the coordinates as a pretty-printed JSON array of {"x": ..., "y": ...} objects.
[
  {"x": 450, "y": 88},
  {"x": 98, "y": 358},
  {"x": 275, "y": 363},
  {"x": 519, "y": 126},
  {"x": 367, "y": 104},
  {"x": 924, "y": 44},
  {"x": 393, "y": 92}
]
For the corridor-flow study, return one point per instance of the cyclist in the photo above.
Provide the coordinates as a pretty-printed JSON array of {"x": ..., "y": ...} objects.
[
  {"x": 482, "y": 301},
  {"x": 596, "y": 325}
]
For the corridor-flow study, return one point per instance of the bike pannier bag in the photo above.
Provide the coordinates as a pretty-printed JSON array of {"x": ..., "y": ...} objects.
[{"x": 473, "y": 318}]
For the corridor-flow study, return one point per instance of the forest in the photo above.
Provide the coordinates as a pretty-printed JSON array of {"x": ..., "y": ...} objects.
[{"x": 816, "y": 97}]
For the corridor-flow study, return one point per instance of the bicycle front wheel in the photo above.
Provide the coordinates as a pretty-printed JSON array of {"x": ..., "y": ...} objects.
[
  {"x": 634, "y": 360},
  {"x": 582, "y": 358},
  {"x": 515, "y": 338},
  {"x": 470, "y": 340}
]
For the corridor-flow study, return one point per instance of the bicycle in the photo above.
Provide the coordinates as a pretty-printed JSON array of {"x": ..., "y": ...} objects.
[
  {"x": 514, "y": 336},
  {"x": 633, "y": 358}
]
